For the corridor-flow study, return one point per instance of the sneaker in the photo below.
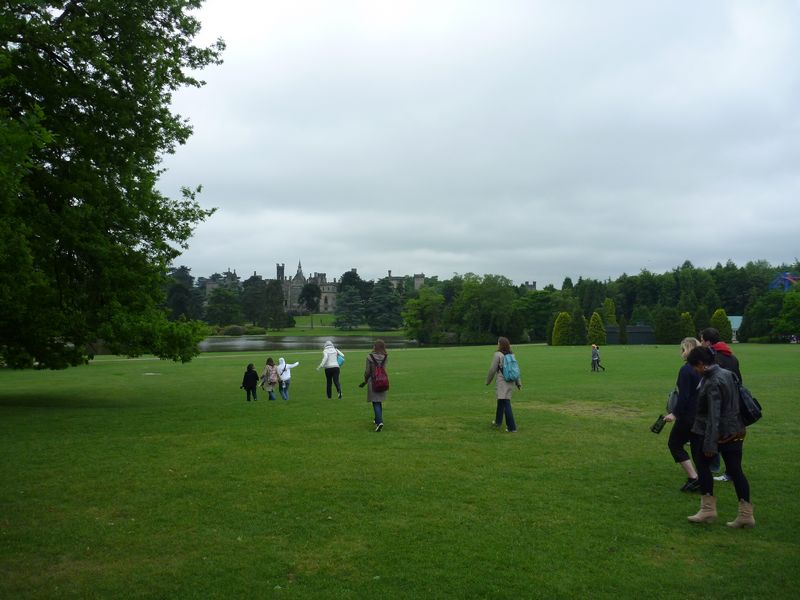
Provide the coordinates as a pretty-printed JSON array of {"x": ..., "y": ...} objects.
[
  {"x": 495, "y": 424},
  {"x": 340, "y": 395},
  {"x": 691, "y": 485},
  {"x": 723, "y": 477},
  {"x": 379, "y": 427},
  {"x": 511, "y": 431}
]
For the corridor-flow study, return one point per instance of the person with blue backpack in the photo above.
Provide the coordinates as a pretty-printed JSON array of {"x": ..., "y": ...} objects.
[{"x": 505, "y": 371}]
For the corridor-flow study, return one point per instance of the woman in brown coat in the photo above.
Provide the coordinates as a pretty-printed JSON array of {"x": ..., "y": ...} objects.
[
  {"x": 378, "y": 356},
  {"x": 504, "y": 388}
]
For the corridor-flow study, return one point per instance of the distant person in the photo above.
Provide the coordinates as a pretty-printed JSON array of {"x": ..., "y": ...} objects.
[
  {"x": 683, "y": 416},
  {"x": 718, "y": 429},
  {"x": 269, "y": 377},
  {"x": 330, "y": 361},
  {"x": 596, "y": 366},
  {"x": 503, "y": 388},
  {"x": 375, "y": 360},
  {"x": 285, "y": 376},
  {"x": 250, "y": 382},
  {"x": 723, "y": 356}
]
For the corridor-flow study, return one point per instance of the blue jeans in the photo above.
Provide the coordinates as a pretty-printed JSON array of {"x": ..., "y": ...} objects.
[
  {"x": 504, "y": 407},
  {"x": 378, "y": 408},
  {"x": 285, "y": 389}
]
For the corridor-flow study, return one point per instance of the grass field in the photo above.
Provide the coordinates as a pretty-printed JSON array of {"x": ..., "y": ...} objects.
[{"x": 149, "y": 479}]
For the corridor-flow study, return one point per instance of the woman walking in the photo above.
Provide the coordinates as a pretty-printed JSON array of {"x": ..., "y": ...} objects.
[
  {"x": 683, "y": 416},
  {"x": 375, "y": 370},
  {"x": 330, "y": 362},
  {"x": 503, "y": 387},
  {"x": 718, "y": 429}
]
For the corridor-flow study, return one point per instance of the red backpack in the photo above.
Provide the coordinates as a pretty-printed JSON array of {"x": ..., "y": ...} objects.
[{"x": 380, "y": 380}]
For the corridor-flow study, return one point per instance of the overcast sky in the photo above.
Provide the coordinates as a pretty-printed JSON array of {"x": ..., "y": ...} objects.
[{"x": 535, "y": 140}]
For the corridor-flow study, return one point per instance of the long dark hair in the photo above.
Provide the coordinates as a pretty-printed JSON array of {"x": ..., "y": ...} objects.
[
  {"x": 379, "y": 347},
  {"x": 503, "y": 345},
  {"x": 700, "y": 356}
]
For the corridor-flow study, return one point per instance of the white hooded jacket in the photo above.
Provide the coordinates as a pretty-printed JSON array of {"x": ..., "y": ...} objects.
[
  {"x": 284, "y": 369},
  {"x": 329, "y": 356}
]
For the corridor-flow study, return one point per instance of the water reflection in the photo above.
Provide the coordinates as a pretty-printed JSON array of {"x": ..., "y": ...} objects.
[{"x": 286, "y": 342}]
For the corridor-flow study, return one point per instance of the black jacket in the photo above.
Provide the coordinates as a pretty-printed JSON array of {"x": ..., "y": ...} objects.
[
  {"x": 717, "y": 408},
  {"x": 250, "y": 379}
]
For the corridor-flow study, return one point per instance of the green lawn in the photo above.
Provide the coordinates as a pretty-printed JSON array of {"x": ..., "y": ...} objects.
[{"x": 149, "y": 479}]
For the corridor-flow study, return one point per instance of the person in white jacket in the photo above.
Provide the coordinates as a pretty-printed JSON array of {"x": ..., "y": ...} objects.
[
  {"x": 330, "y": 362},
  {"x": 285, "y": 375}
]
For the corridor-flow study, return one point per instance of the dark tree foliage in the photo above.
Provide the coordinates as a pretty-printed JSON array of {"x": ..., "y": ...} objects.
[
  {"x": 423, "y": 316},
  {"x": 353, "y": 280},
  {"x": 578, "y": 334},
  {"x": 86, "y": 238},
  {"x": 309, "y": 297},
  {"x": 184, "y": 300},
  {"x": 761, "y": 317},
  {"x": 275, "y": 316},
  {"x": 349, "y": 308},
  {"x": 669, "y": 327},
  {"x": 254, "y": 300},
  {"x": 224, "y": 307},
  {"x": 384, "y": 308}
]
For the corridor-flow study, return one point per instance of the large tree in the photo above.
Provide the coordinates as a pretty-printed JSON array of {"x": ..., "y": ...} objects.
[
  {"x": 423, "y": 316},
  {"x": 85, "y": 93},
  {"x": 384, "y": 308},
  {"x": 254, "y": 299},
  {"x": 349, "y": 308}
]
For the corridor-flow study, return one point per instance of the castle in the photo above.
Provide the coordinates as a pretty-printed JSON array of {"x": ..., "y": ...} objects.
[{"x": 293, "y": 286}]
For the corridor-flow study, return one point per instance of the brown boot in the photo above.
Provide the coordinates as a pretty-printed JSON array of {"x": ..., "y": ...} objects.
[
  {"x": 707, "y": 512},
  {"x": 744, "y": 520}
]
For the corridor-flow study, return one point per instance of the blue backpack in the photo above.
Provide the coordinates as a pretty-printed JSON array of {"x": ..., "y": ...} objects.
[{"x": 510, "y": 368}]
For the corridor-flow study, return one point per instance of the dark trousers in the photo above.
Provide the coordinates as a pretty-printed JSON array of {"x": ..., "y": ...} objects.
[
  {"x": 504, "y": 408},
  {"x": 250, "y": 391},
  {"x": 332, "y": 376},
  {"x": 679, "y": 436},
  {"x": 732, "y": 455}
]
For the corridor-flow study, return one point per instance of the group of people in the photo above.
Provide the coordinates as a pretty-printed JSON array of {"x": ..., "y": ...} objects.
[
  {"x": 706, "y": 414},
  {"x": 332, "y": 358},
  {"x": 707, "y": 417}
]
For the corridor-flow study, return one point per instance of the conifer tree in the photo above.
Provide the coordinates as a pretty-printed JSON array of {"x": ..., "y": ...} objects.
[
  {"x": 720, "y": 322},
  {"x": 561, "y": 330},
  {"x": 597, "y": 331}
]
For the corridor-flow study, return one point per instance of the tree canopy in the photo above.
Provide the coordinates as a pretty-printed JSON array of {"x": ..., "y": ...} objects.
[{"x": 86, "y": 238}]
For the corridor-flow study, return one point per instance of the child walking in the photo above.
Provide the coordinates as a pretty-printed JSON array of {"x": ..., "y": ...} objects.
[
  {"x": 269, "y": 377},
  {"x": 250, "y": 381},
  {"x": 285, "y": 375}
]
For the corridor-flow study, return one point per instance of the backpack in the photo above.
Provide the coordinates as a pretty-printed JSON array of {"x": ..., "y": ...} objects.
[
  {"x": 380, "y": 380},
  {"x": 510, "y": 368},
  {"x": 749, "y": 408}
]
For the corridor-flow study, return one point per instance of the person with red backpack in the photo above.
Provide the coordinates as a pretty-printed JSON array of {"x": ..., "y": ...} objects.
[{"x": 376, "y": 380}]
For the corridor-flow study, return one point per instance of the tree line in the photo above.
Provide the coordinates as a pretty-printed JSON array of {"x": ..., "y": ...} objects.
[{"x": 473, "y": 309}]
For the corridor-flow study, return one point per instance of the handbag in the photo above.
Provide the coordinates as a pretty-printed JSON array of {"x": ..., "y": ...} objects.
[
  {"x": 340, "y": 359},
  {"x": 672, "y": 401}
]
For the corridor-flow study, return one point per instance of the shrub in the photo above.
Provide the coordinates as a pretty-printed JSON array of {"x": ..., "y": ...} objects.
[
  {"x": 254, "y": 330},
  {"x": 233, "y": 330}
]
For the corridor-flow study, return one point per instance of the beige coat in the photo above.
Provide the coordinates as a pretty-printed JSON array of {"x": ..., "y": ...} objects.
[{"x": 504, "y": 388}]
